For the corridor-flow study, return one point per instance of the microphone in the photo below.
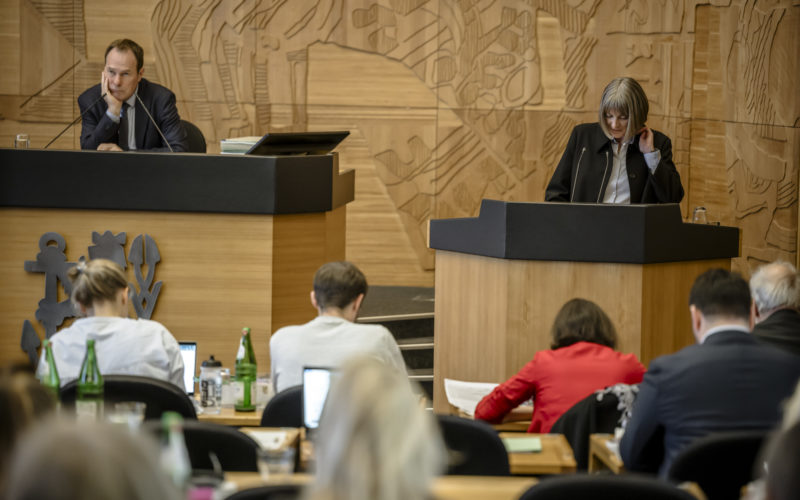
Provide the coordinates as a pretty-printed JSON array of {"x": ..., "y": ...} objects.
[
  {"x": 154, "y": 122},
  {"x": 76, "y": 120}
]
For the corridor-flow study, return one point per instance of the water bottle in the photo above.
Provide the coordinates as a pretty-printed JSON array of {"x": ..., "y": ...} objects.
[
  {"x": 89, "y": 397},
  {"x": 245, "y": 374},
  {"x": 211, "y": 385},
  {"x": 49, "y": 377}
]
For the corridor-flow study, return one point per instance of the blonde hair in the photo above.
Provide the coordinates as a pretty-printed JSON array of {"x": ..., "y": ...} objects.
[
  {"x": 66, "y": 459},
  {"x": 375, "y": 442},
  {"x": 625, "y": 96},
  {"x": 98, "y": 280}
]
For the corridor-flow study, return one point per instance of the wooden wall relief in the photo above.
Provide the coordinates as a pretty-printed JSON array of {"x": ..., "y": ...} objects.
[{"x": 450, "y": 102}]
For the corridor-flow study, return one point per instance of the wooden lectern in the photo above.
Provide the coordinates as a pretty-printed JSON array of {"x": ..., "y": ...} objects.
[
  {"x": 502, "y": 277},
  {"x": 238, "y": 237}
]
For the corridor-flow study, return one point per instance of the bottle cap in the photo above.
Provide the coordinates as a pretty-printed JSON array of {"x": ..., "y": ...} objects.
[{"x": 211, "y": 362}]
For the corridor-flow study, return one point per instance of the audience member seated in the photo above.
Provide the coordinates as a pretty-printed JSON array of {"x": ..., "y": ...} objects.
[
  {"x": 375, "y": 441},
  {"x": 727, "y": 381},
  {"x": 69, "y": 460},
  {"x": 582, "y": 360},
  {"x": 23, "y": 401},
  {"x": 776, "y": 299},
  {"x": 332, "y": 337},
  {"x": 124, "y": 346}
]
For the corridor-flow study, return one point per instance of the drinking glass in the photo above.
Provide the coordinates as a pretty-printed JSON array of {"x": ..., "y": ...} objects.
[
  {"x": 22, "y": 141},
  {"x": 699, "y": 216},
  {"x": 130, "y": 413},
  {"x": 274, "y": 464}
]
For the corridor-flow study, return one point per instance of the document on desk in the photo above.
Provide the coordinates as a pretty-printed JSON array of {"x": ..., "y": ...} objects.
[
  {"x": 269, "y": 440},
  {"x": 466, "y": 395},
  {"x": 523, "y": 444}
]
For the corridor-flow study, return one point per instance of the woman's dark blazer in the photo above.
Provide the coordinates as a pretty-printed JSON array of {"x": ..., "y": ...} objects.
[{"x": 585, "y": 168}]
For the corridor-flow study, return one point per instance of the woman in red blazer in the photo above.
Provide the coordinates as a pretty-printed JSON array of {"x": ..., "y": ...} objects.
[{"x": 582, "y": 360}]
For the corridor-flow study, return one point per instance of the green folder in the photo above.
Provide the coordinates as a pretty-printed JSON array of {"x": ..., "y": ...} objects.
[{"x": 523, "y": 444}]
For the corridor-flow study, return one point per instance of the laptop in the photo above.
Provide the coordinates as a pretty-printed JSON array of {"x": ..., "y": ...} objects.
[
  {"x": 316, "y": 384},
  {"x": 189, "y": 355},
  {"x": 297, "y": 143}
]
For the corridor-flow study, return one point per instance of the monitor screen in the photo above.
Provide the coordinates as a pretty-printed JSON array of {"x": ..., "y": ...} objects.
[
  {"x": 297, "y": 143},
  {"x": 189, "y": 355},
  {"x": 316, "y": 383}
]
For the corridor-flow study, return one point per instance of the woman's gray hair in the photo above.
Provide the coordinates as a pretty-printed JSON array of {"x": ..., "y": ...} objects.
[
  {"x": 775, "y": 285},
  {"x": 375, "y": 442},
  {"x": 625, "y": 96},
  {"x": 64, "y": 459}
]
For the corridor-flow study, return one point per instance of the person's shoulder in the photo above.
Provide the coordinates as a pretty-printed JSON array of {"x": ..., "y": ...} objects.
[
  {"x": 92, "y": 92},
  {"x": 151, "y": 88},
  {"x": 587, "y": 129}
]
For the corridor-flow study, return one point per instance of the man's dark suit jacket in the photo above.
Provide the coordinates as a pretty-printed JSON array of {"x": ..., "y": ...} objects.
[
  {"x": 730, "y": 382},
  {"x": 98, "y": 128},
  {"x": 781, "y": 329}
]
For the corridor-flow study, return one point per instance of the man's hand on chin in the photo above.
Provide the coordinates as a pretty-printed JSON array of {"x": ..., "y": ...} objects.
[{"x": 108, "y": 146}]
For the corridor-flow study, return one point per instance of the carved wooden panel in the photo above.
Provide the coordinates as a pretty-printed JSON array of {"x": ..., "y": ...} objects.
[{"x": 448, "y": 102}]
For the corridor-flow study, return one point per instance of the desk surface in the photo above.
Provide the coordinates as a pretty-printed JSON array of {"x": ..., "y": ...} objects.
[
  {"x": 556, "y": 456},
  {"x": 229, "y": 416},
  {"x": 444, "y": 487},
  {"x": 601, "y": 456}
]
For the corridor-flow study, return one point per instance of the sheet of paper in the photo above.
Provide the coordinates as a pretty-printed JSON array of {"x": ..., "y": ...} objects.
[
  {"x": 523, "y": 444},
  {"x": 269, "y": 440},
  {"x": 466, "y": 395}
]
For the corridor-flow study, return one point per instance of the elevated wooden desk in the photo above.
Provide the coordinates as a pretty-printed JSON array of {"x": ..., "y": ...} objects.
[
  {"x": 444, "y": 487},
  {"x": 238, "y": 237},
  {"x": 229, "y": 416},
  {"x": 556, "y": 456},
  {"x": 501, "y": 278}
]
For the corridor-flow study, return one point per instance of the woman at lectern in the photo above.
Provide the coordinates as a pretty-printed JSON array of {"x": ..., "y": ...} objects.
[
  {"x": 581, "y": 361},
  {"x": 618, "y": 159}
]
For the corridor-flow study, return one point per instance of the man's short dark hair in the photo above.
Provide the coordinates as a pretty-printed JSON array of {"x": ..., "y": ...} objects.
[
  {"x": 718, "y": 292},
  {"x": 337, "y": 284},
  {"x": 124, "y": 44}
]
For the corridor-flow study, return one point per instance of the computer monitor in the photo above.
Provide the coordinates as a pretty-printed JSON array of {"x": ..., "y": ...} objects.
[
  {"x": 297, "y": 143},
  {"x": 316, "y": 384},
  {"x": 189, "y": 355}
]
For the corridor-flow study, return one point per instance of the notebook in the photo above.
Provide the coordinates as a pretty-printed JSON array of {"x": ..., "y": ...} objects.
[
  {"x": 189, "y": 355},
  {"x": 316, "y": 384}
]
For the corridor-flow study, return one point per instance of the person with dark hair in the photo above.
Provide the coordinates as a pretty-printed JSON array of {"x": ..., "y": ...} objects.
[
  {"x": 332, "y": 337},
  {"x": 727, "y": 381},
  {"x": 121, "y": 122},
  {"x": 581, "y": 361},
  {"x": 617, "y": 159},
  {"x": 124, "y": 346}
]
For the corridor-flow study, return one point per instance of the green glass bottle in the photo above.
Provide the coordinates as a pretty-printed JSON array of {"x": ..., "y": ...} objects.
[
  {"x": 245, "y": 378},
  {"x": 49, "y": 377},
  {"x": 89, "y": 398}
]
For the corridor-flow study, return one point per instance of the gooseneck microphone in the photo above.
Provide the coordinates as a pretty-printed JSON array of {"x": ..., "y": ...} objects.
[
  {"x": 76, "y": 120},
  {"x": 154, "y": 123}
]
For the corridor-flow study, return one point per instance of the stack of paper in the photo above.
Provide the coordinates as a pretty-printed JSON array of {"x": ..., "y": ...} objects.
[
  {"x": 466, "y": 395},
  {"x": 237, "y": 145}
]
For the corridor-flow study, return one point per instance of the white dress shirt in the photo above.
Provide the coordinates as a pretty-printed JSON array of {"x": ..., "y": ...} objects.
[{"x": 618, "y": 189}]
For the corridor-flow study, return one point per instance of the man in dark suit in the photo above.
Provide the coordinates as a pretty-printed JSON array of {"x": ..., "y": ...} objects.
[
  {"x": 115, "y": 111},
  {"x": 776, "y": 302},
  {"x": 727, "y": 381}
]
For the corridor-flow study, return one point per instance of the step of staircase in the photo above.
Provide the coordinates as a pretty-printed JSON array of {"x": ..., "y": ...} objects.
[{"x": 407, "y": 312}]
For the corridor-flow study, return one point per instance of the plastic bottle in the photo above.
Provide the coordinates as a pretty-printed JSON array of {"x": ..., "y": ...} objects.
[{"x": 211, "y": 385}]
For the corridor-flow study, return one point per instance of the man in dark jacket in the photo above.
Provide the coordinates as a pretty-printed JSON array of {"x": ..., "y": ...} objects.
[{"x": 776, "y": 302}]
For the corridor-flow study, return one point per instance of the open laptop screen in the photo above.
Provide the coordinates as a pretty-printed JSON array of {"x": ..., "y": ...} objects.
[
  {"x": 316, "y": 384},
  {"x": 189, "y": 355},
  {"x": 294, "y": 143}
]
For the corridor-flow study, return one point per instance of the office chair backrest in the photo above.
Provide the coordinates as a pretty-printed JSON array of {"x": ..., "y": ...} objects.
[
  {"x": 233, "y": 449},
  {"x": 285, "y": 409},
  {"x": 159, "y": 395},
  {"x": 274, "y": 492},
  {"x": 596, "y": 487},
  {"x": 720, "y": 463},
  {"x": 474, "y": 447},
  {"x": 194, "y": 137}
]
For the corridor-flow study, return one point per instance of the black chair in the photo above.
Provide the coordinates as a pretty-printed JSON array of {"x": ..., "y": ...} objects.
[
  {"x": 604, "y": 487},
  {"x": 275, "y": 492},
  {"x": 285, "y": 409},
  {"x": 233, "y": 449},
  {"x": 598, "y": 412},
  {"x": 159, "y": 395},
  {"x": 474, "y": 447},
  {"x": 720, "y": 463},
  {"x": 194, "y": 137}
]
